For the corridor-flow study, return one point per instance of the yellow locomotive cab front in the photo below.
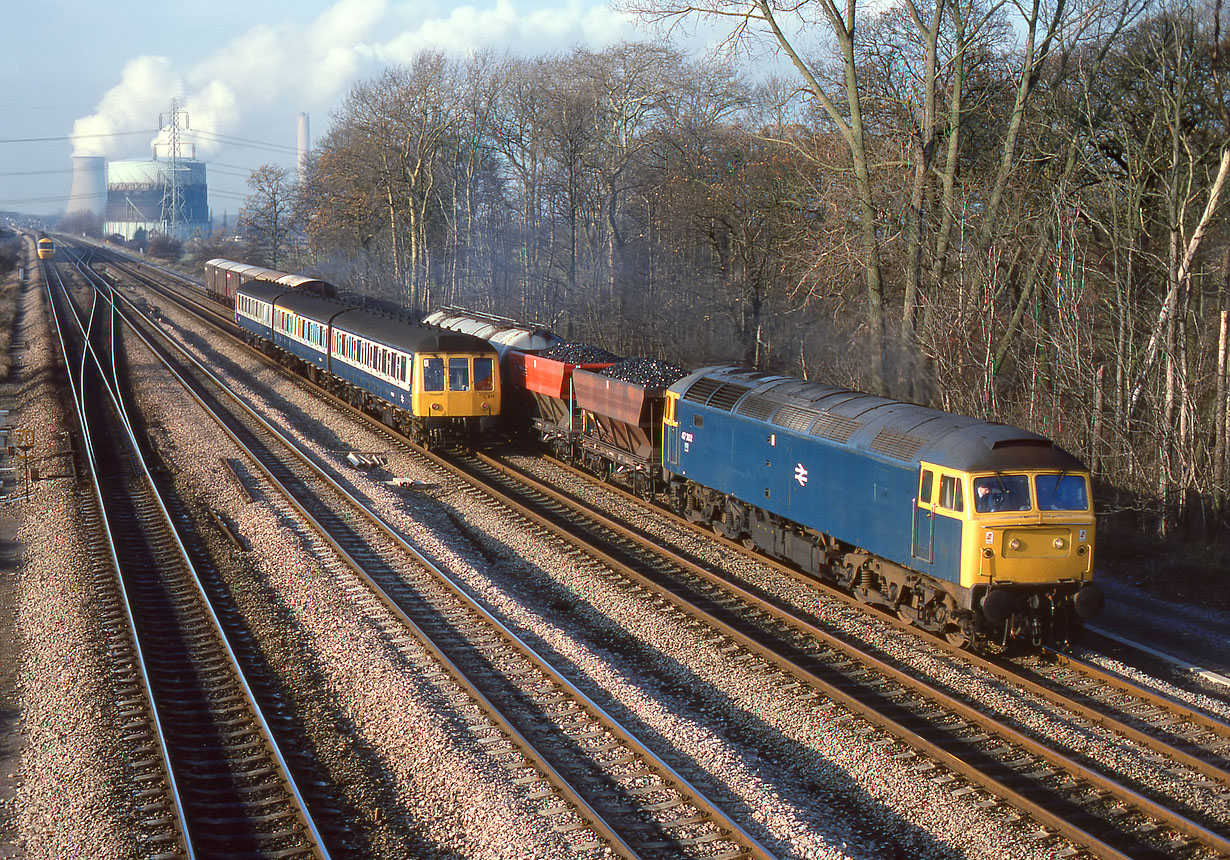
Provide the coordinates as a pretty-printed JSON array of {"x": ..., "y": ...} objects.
[{"x": 1029, "y": 527}]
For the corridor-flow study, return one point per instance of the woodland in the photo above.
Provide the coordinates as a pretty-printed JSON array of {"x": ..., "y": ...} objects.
[{"x": 1010, "y": 210}]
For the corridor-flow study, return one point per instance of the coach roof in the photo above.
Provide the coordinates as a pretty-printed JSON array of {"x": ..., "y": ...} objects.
[
  {"x": 407, "y": 335},
  {"x": 262, "y": 290},
  {"x": 311, "y": 306}
]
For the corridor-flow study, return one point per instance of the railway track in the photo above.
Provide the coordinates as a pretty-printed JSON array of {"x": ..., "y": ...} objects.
[
  {"x": 606, "y": 789},
  {"x": 213, "y": 779},
  {"x": 1059, "y": 791},
  {"x": 1065, "y": 794}
]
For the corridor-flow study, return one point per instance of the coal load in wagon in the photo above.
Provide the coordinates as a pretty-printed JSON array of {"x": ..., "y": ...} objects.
[
  {"x": 646, "y": 372},
  {"x": 572, "y": 352}
]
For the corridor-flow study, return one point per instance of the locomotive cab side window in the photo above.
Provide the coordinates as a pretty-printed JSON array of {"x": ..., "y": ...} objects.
[
  {"x": 951, "y": 497},
  {"x": 925, "y": 487}
]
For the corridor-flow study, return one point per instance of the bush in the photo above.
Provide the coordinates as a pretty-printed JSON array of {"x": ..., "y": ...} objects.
[
  {"x": 10, "y": 251},
  {"x": 165, "y": 248}
]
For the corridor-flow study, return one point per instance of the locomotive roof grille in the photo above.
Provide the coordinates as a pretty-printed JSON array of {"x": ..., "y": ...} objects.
[
  {"x": 903, "y": 446},
  {"x": 794, "y": 418},
  {"x": 701, "y": 389},
  {"x": 835, "y": 427},
  {"x": 758, "y": 407},
  {"x": 727, "y": 396}
]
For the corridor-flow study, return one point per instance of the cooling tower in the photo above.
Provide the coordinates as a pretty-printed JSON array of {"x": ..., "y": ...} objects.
[
  {"x": 89, "y": 191},
  {"x": 139, "y": 194}
]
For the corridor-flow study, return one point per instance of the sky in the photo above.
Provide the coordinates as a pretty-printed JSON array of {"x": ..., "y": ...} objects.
[{"x": 89, "y": 78}]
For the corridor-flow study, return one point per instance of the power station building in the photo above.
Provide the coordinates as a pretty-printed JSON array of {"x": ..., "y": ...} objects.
[{"x": 155, "y": 195}]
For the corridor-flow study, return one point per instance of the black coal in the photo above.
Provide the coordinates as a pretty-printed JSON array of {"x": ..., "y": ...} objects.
[
  {"x": 580, "y": 353},
  {"x": 648, "y": 372}
]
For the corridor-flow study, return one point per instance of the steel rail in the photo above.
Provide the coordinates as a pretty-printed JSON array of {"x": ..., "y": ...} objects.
[
  {"x": 691, "y": 793},
  {"x": 1147, "y": 806},
  {"x": 91, "y": 465},
  {"x": 1003, "y": 670},
  {"x": 236, "y": 664}
]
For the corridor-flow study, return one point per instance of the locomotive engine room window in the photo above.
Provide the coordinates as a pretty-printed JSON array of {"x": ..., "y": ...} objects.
[
  {"x": 950, "y": 494},
  {"x": 433, "y": 374},
  {"x": 459, "y": 374},
  {"x": 484, "y": 374},
  {"x": 926, "y": 486},
  {"x": 698, "y": 420}
]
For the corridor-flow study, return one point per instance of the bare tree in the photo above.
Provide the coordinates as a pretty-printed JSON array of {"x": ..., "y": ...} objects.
[{"x": 268, "y": 214}]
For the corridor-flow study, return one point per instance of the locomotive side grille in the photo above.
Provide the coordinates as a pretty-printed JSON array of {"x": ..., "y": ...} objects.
[
  {"x": 900, "y": 445},
  {"x": 794, "y": 418},
  {"x": 726, "y": 396},
  {"x": 835, "y": 427},
  {"x": 759, "y": 408},
  {"x": 701, "y": 389}
]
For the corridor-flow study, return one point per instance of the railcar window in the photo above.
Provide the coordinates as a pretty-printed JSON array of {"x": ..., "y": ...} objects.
[
  {"x": 925, "y": 488},
  {"x": 459, "y": 374},
  {"x": 433, "y": 374},
  {"x": 1001, "y": 493},
  {"x": 1061, "y": 493},
  {"x": 950, "y": 494},
  {"x": 484, "y": 374}
]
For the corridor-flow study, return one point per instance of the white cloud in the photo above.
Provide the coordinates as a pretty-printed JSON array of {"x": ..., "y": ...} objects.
[{"x": 312, "y": 65}]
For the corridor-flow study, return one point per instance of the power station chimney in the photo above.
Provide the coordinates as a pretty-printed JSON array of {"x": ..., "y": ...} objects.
[
  {"x": 89, "y": 190},
  {"x": 305, "y": 143}
]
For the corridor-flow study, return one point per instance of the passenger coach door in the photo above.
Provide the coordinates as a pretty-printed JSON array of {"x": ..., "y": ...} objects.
[{"x": 924, "y": 518}]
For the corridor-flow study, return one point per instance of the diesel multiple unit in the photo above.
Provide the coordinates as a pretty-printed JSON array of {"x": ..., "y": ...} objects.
[{"x": 434, "y": 385}]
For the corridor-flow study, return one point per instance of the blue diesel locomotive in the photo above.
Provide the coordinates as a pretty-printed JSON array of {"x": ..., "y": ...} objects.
[{"x": 974, "y": 530}]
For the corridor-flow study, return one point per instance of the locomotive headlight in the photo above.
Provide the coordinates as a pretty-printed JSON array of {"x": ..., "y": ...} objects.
[
  {"x": 1014, "y": 544},
  {"x": 435, "y": 407},
  {"x": 1059, "y": 543}
]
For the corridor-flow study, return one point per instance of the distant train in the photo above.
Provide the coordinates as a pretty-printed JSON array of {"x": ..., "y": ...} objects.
[
  {"x": 46, "y": 248},
  {"x": 974, "y": 530},
  {"x": 436, "y": 386}
]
